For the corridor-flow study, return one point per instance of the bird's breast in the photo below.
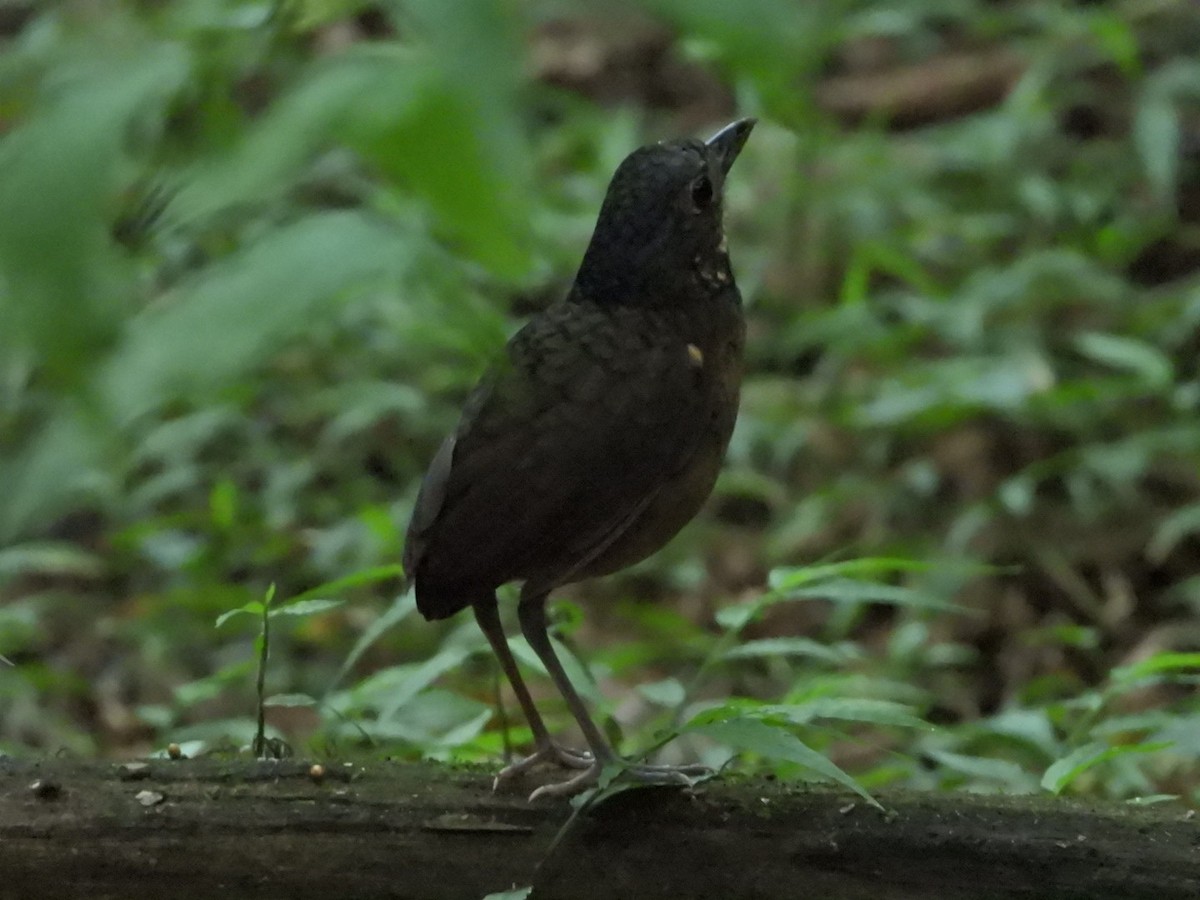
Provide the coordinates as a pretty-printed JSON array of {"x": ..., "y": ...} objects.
[{"x": 708, "y": 342}]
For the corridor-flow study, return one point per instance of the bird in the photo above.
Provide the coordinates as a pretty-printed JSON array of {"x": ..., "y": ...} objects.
[{"x": 598, "y": 434}]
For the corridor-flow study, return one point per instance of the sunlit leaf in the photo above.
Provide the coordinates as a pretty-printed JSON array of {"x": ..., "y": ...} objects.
[
  {"x": 311, "y": 607},
  {"x": 1158, "y": 664},
  {"x": 290, "y": 700},
  {"x": 254, "y": 608}
]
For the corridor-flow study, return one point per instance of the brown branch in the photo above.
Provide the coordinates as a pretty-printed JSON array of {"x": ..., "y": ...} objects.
[{"x": 939, "y": 88}]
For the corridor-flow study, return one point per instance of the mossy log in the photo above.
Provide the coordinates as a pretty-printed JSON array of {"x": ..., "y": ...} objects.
[{"x": 236, "y": 828}]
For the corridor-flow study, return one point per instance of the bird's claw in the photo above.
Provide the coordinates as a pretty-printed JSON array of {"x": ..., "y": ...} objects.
[
  {"x": 683, "y": 776},
  {"x": 566, "y": 757}
]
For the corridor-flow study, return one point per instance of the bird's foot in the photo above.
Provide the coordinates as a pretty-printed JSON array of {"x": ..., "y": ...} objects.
[
  {"x": 683, "y": 776},
  {"x": 550, "y": 752}
]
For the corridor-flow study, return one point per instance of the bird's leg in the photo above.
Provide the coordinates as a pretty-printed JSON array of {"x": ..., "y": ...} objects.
[
  {"x": 545, "y": 749},
  {"x": 532, "y": 613}
]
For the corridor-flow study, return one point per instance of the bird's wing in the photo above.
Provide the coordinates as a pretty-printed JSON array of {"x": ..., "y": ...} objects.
[{"x": 558, "y": 450}]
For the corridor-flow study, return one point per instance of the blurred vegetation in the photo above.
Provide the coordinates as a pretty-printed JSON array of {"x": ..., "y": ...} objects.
[{"x": 253, "y": 255}]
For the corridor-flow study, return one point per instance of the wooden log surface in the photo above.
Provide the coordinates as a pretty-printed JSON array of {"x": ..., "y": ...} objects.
[{"x": 233, "y": 828}]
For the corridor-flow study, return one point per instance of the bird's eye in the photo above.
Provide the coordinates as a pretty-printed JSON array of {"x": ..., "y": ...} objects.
[{"x": 702, "y": 192}]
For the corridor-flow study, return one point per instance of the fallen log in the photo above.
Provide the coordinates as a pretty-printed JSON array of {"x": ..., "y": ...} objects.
[{"x": 237, "y": 828}]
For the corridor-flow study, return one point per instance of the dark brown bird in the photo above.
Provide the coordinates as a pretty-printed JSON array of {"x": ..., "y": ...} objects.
[{"x": 600, "y": 433}]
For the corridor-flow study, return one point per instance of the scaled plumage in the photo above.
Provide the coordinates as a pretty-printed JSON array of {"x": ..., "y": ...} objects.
[{"x": 601, "y": 431}]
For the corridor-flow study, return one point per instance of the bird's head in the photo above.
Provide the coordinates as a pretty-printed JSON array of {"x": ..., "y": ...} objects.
[{"x": 659, "y": 232}]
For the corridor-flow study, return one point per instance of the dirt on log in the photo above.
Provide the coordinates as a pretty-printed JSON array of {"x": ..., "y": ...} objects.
[{"x": 235, "y": 828}]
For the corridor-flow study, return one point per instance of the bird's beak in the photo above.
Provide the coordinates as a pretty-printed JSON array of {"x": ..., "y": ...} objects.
[{"x": 727, "y": 143}]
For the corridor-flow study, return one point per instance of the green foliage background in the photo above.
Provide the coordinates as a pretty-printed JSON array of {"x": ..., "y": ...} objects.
[{"x": 253, "y": 255}]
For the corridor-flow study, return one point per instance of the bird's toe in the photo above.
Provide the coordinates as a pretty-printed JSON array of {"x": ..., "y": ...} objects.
[{"x": 551, "y": 753}]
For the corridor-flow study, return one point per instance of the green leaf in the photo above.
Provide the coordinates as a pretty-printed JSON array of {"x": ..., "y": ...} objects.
[
  {"x": 369, "y": 80},
  {"x": 361, "y": 578},
  {"x": 775, "y": 44},
  {"x": 290, "y": 700},
  {"x": 788, "y": 578},
  {"x": 849, "y": 590},
  {"x": 829, "y": 581},
  {"x": 66, "y": 290},
  {"x": 768, "y": 648},
  {"x": 311, "y": 607},
  {"x": 405, "y": 682},
  {"x": 515, "y": 894},
  {"x": 775, "y": 742},
  {"x": 1064, "y": 771},
  {"x": 212, "y": 686},
  {"x": 1158, "y": 664},
  {"x": 48, "y": 558},
  {"x": 1119, "y": 40},
  {"x": 1172, "y": 529},
  {"x": 1148, "y": 363},
  {"x": 461, "y": 146},
  {"x": 429, "y": 719},
  {"x": 402, "y": 607},
  {"x": 222, "y": 325},
  {"x": 735, "y": 618},
  {"x": 1000, "y": 771},
  {"x": 854, "y": 709},
  {"x": 1156, "y": 135},
  {"x": 253, "y": 608},
  {"x": 669, "y": 692},
  {"x": 947, "y": 390},
  {"x": 56, "y": 467},
  {"x": 222, "y": 503}
]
